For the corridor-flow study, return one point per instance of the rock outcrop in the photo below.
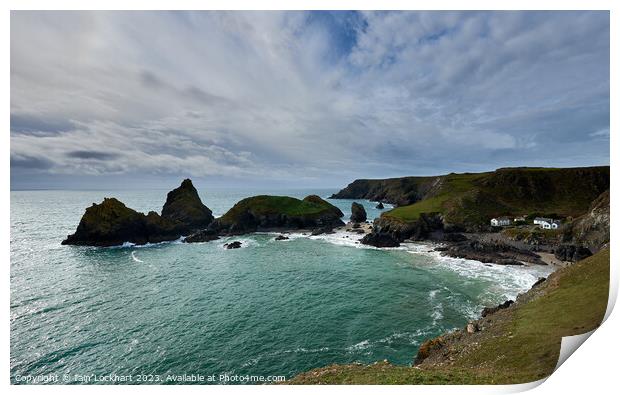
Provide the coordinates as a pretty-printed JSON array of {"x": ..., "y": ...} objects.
[
  {"x": 266, "y": 213},
  {"x": 498, "y": 253},
  {"x": 358, "y": 213},
  {"x": 571, "y": 253},
  {"x": 202, "y": 236},
  {"x": 380, "y": 240},
  {"x": 112, "y": 223},
  {"x": 184, "y": 205},
  {"x": 380, "y": 206},
  {"x": 590, "y": 230}
]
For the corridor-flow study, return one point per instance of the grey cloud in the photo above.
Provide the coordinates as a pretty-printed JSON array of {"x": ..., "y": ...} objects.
[
  {"x": 30, "y": 162},
  {"x": 39, "y": 125},
  {"x": 96, "y": 155},
  {"x": 266, "y": 96}
]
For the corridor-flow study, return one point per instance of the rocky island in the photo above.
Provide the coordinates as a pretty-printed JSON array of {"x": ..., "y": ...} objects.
[
  {"x": 277, "y": 213},
  {"x": 112, "y": 223}
]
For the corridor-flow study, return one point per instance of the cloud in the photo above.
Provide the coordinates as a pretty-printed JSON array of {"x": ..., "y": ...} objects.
[{"x": 306, "y": 97}]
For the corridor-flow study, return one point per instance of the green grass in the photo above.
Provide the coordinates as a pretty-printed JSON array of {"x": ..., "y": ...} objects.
[
  {"x": 521, "y": 345},
  {"x": 266, "y": 204},
  {"x": 453, "y": 185},
  {"x": 475, "y": 198}
]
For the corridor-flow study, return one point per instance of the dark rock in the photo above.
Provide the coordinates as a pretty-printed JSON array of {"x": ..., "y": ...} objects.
[
  {"x": 277, "y": 213},
  {"x": 440, "y": 249},
  {"x": 356, "y": 225},
  {"x": 380, "y": 206},
  {"x": 184, "y": 205},
  {"x": 454, "y": 237},
  {"x": 320, "y": 231},
  {"x": 571, "y": 253},
  {"x": 201, "y": 236},
  {"x": 112, "y": 223},
  {"x": 488, "y": 252},
  {"x": 281, "y": 237},
  {"x": 491, "y": 310},
  {"x": 539, "y": 281},
  {"x": 358, "y": 213},
  {"x": 232, "y": 245},
  {"x": 380, "y": 240}
]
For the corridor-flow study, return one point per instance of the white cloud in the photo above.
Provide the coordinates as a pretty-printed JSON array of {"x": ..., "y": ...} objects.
[{"x": 288, "y": 96}]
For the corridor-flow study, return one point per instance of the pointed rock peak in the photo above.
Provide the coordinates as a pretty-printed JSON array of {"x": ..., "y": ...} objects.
[
  {"x": 184, "y": 205},
  {"x": 187, "y": 183}
]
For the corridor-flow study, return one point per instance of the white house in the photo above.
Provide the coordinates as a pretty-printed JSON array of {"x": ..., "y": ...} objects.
[
  {"x": 547, "y": 223},
  {"x": 501, "y": 221}
]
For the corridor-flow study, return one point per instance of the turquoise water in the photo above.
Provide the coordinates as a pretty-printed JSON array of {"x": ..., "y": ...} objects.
[{"x": 269, "y": 308}]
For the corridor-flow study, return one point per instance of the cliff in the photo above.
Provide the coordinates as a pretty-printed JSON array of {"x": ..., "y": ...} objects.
[{"x": 468, "y": 201}]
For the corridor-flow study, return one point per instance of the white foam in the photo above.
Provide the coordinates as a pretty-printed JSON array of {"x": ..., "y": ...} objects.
[
  {"x": 133, "y": 256},
  {"x": 509, "y": 280}
]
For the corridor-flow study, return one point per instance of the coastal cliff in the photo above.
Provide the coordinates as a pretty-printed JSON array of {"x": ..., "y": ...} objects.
[{"x": 466, "y": 202}]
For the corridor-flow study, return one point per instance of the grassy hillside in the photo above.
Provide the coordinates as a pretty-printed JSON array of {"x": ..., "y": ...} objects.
[
  {"x": 516, "y": 345},
  {"x": 311, "y": 206},
  {"x": 475, "y": 198}
]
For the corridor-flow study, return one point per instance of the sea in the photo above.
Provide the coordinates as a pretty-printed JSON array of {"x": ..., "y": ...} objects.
[{"x": 177, "y": 313}]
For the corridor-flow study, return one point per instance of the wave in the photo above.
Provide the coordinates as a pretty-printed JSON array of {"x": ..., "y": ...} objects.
[{"x": 133, "y": 256}]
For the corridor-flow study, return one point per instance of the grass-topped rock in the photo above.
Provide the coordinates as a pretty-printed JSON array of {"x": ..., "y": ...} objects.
[
  {"x": 263, "y": 213},
  {"x": 112, "y": 223}
]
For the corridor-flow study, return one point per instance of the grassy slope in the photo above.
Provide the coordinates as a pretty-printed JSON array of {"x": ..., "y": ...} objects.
[
  {"x": 475, "y": 198},
  {"x": 521, "y": 345},
  {"x": 266, "y": 204}
]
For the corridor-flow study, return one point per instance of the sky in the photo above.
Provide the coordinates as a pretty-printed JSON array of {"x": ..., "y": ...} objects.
[{"x": 301, "y": 99}]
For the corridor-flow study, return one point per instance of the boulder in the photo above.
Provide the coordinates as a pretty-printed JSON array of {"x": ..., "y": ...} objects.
[
  {"x": 201, "y": 236},
  {"x": 184, "y": 205},
  {"x": 281, "y": 237},
  {"x": 379, "y": 206},
  {"x": 320, "y": 231},
  {"x": 358, "y": 213},
  {"x": 490, "y": 310},
  {"x": 232, "y": 245},
  {"x": 380, "y": 240}
]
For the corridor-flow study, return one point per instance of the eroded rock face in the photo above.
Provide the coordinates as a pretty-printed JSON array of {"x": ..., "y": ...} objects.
[
  {"x": 571, "y": 253},
  {"x": 358, "y": 213},
  {"x": 184, "y": 205},
  {"x": 592, "y": 229}
]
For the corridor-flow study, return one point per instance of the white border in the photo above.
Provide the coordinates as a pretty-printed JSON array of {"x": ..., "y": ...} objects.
[{"x": 591, "y": 368}]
